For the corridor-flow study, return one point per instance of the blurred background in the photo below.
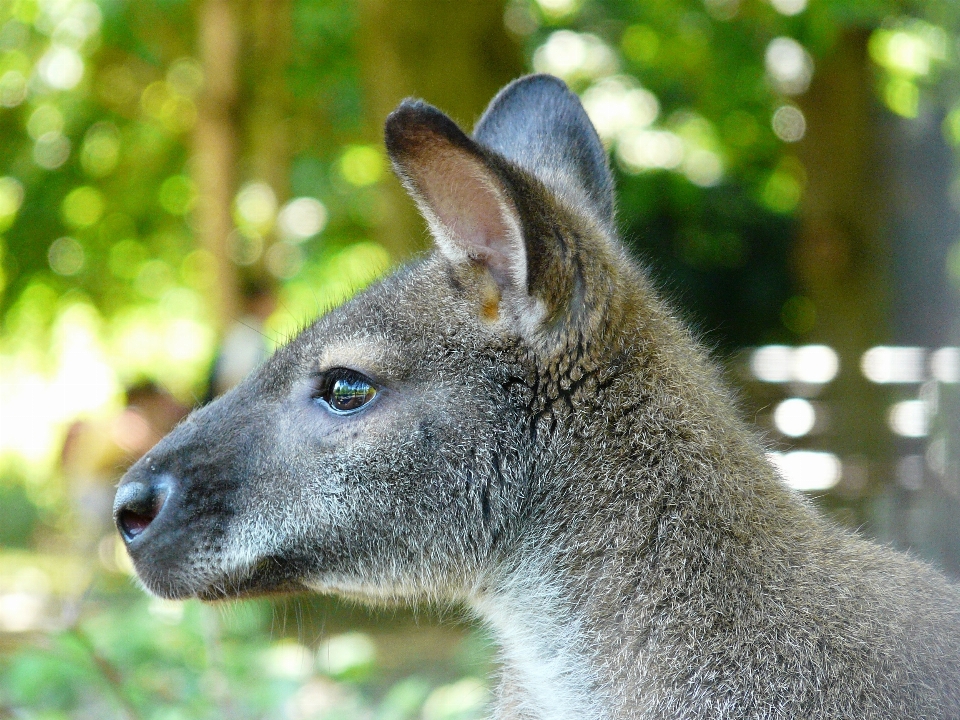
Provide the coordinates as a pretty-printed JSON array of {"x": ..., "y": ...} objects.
[{"x": 184, "y": 185}]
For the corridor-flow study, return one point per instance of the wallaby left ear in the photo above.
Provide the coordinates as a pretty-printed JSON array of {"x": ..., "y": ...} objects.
[
  {"x": 537, "y": 123},
  {"x": 462, "y": 195}
]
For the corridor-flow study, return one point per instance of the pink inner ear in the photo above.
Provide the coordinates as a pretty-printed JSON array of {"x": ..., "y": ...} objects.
[{"x": 474, "y": 215}]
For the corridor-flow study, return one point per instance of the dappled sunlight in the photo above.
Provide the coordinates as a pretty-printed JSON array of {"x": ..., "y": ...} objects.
[
  {"x": 908, "y": 50},
  {"x": 37, "y": 406}
]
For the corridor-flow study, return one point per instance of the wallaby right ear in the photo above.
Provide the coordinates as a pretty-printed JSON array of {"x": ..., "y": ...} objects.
[{"x": 459, "y": 192}]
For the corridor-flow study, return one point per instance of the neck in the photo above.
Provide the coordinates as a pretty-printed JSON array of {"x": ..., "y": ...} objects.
[
  {"x": 622, "y": 564},
  {"x": 548, "y": 669}
]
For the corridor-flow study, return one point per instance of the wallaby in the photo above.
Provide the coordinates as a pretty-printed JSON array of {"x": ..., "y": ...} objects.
[{"x": 517, "y": 422}]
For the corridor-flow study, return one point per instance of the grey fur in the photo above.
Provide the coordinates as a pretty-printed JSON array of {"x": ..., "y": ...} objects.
[{"x": 551, "y": 447}]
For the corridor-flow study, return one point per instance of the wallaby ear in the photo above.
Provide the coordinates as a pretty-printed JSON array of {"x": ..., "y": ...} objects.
[
  {"x": 462, "y": 197},
  {"x": 540, "y": 125}
]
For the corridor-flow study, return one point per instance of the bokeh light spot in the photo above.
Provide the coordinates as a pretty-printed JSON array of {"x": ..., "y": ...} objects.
[
  {"x": 640, "y": 43},
  {"x": 815, "y": 364},
  {"x": 795, "y": 417},
  {"x": 807, "y": 364},
  {"x": 51, "y": 150},
  {"x": 82, "y": 207},
  {"x": 909, "y": 418},
  {"x": 783, "y": 189},
  {"x": 945, "y": 365},
  {"x": 287, "y": 660},
  {"x": 61, "y": 67},
  {"x": 772, "y": 363},
  {"x": 571, "y": 55},
  {"x": 346, "y": 654},
  {"x": 617, "y": 104},
  {"x": 519, "y": 18},
  {"x": 788, "y": 123},
  {"x": 361, "y": 165},
  {"x": 789, "y": 65},
  {"x": 44, "y": 119},
  {"x": 70, "y": 23},
  {"x": 905, "y": 53},
  {"x": 885, "y": 364},
  {"x": 722, "y": 10},
  {"x": 11, "y": 197},
  {"x": 185, "y": 76},
  {"x": 789, "y": 7},
  {"x": 808, "y": 470},
  {"x": 301, "y": 218},
  {"x": 101, "y": 149},
  {"x": 179, "y": 113},
  {"x": 649, "y": 149},
  {"x": 951, "y": 127},
  {"x": 177, "y": 195},
  {"x": 255, "y": 208},
  {"x": 781, "y": 192},
  {"x": 126, "y": 258},
  {"x": 65, "y": 256},
  {"x": 361, "y": 263},
  {"x": 13, "y": 88},
  {"x": 701, "y": 162},
  {"x": 175, "y": 111},
  {"x": 902, "y": 96},
  {"x": 153, "y": 98},
  {"x": 702, "y": 167},
  {"x": 464, "y": 698},
  {"x": 556, "y": 9}
]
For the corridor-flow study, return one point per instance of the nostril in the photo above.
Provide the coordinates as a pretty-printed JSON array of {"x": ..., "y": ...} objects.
[
  {"x": 133, "y": 523},
  {"x": 137, "y": 505}
]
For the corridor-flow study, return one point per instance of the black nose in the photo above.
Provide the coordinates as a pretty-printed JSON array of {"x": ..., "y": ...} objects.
[{"x": 138, "y": 503}]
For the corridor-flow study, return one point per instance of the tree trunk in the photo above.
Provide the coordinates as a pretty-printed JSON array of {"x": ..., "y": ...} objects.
[
  {"x": 841, "y": 256},
  {"x": 455, "y": 55},
  {"x": 267, "y": 105},
  {"x": 215, "y": 148}
]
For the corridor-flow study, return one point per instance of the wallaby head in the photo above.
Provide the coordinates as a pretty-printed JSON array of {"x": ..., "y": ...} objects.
[
  {"x": 392, "y": 448},
  {"x": 516, "y": 421}
]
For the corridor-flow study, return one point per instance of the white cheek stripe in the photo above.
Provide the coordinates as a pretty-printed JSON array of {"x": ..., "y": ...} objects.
[{"x": 541, "y": 643}]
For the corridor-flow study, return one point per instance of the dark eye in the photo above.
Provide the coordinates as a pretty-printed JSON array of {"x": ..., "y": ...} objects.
[{"x": 346, "y": 391}]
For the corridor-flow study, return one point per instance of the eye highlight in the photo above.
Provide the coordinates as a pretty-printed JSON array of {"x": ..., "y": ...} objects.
[{"x": 345, "y": 391}]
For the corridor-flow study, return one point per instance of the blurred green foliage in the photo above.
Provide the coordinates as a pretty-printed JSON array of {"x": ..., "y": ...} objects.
[
  {"x": 129, "y": 657},
  {"x": 727, "y": 77}
]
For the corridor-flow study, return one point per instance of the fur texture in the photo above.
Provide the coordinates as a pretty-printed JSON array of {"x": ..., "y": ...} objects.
[{"x": 548, "y": 445}]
